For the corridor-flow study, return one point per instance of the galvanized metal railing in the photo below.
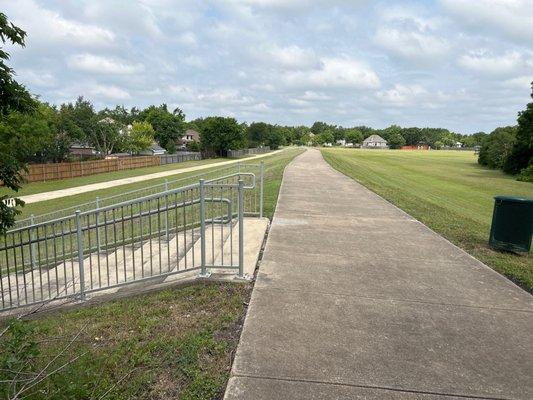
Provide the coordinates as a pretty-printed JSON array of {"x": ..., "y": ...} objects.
[
  {"x": 165, "y": 185},
  {"x": 154, "y": 237}
]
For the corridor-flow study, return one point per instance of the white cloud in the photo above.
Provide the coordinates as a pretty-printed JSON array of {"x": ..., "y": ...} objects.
[
  {"x": 41, "y": 79},
  {"x": 95, "y": 64},
  {"x": 402, "y": 95},
  {"x": 412, "y": 37},
  {"x": 484, "y": 62},
  {"x": 45, "y": 26},
  {"x": 336, "y": 73},
  {"x": 512, "y": 18},
  {"x": 289, "y": 57},
  {"x": 110, "y": 92}
]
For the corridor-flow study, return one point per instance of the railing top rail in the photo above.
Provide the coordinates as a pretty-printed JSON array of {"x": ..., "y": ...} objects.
[
  {"x": 128, "y": 193},
  {"x": 137, "y": 201}
]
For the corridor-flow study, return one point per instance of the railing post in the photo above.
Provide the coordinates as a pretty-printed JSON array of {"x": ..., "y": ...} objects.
[
  {"x": 203, "y": 272},
  {"x": 33, "y": 251},
  {"x": 241, "y": 230},
  {"x": 98, "y": 226},
  {"x": 166, "y": 210},
  {"x": 79, "y": 234},
  {"x": 261, "y": 182}
]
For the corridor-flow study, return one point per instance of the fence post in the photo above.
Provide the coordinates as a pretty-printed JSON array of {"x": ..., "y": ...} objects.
[
  {"x": 166, "y": 209},
  {"x": 98, "y": 226},
  {"x": 203, "y": 271},
  {"x": 261, "y": 182},
  {"x": 32, "y": 240},
  {"x": 79, "y": 234},
  {"x": 241, "y": 230}
]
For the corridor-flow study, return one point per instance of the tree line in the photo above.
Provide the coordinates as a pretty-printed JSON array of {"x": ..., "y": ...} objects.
[{"x": 510, "y": 148}]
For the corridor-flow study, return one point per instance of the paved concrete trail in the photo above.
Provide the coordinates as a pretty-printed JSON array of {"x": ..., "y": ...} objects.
[
  {"x": 56, "y": 194},
  {"x": 357, "y": 300}
]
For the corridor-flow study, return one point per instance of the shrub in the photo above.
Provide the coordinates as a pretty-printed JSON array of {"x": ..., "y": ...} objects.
[
  {"x": 497, "y": 147},
  {"x": 526, "y": 175}
]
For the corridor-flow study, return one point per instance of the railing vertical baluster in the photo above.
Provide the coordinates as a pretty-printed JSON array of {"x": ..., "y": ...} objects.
[
  {"x": 98, "y": 229},
  {"x": 203, "y": 272},
  {"x": 32, "y": 241},
  {"x": 79, "y": 236},
  {"x": 166, "y": 207},
  {"x": 241, "y": 229},
  {"x": 261, "y": 182}
]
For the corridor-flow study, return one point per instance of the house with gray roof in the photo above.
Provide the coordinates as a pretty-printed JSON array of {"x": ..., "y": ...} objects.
[{"x": 374, "y": 142}]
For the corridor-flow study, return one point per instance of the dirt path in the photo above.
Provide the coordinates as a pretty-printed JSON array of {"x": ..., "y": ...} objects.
[{"x": 34, "y": 198}]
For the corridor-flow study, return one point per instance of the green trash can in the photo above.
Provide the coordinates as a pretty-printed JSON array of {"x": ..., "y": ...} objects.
[{"x": 512, "y": 224}]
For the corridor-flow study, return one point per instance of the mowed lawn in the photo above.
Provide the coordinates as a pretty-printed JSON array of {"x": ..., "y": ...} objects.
[
  {"x": 446, "y": 190},
  {"x": 272, "y": 163},
  {"x": 177, "y": 343}
]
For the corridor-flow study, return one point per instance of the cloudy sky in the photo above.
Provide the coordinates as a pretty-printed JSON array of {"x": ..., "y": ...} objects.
[{"x": 465, "y": 65}]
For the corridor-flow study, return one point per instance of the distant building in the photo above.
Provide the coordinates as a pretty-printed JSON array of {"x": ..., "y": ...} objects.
[
  {"x": 419, "y": 146},
  {"x": 341, "y": 142},
  {"x": 153, "y": 150},
  {"x": 190, "y": 136},
  {"x": 374, "y": 142},
  {"x": 78, "y": 149}
]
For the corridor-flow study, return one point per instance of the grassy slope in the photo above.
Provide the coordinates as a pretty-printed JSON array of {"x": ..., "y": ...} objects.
[
  {"x": 40, "y": 187},
  {"x": 177, "y": 343},
  {"x": 44, "y": 207},
  {"x": 446, "y": 190}
]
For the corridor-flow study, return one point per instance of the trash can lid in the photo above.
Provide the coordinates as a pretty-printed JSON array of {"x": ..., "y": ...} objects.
[{"x": 516, "y": 199}]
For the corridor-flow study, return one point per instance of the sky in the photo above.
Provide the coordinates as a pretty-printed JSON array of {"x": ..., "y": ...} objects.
[{"x": 462, "y": 65}]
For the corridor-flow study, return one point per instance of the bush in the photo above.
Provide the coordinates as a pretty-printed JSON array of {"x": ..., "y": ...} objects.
[
  {"x": 526, "y": 175},
  {"x": 497, "y": 147}
]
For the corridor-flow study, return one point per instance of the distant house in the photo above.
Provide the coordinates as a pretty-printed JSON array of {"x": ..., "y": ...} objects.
[
  {"x": 190, "y": 136},
  {"x": 341, "y": 142},
  {"x": 79, "y": 149},
  {"x": 375, "y": 142},
  {"x": 153, "y": 150}
]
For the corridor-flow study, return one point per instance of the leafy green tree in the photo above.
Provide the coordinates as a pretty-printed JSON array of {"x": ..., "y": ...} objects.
[
  {"x": 276, "y": 137},
  {"x": 13, "y": 95},
  {"x": 258, "y": 133},
  {"x": 319, "y": 127},
  {"x": 13, "y": 98},
  {"x": 326, "y": 137},
  {"x": 396, "y": 141},
  {"x": 138, "y": 138},
  {"x": 354, "y": 135},
  {"x": 168, "y": 126},
  {"x": 107, "y": 134},
  {"x": 497, "y": 147},
  {"x": 522, "y": 152},
  {"x": 220, "y": 134}
]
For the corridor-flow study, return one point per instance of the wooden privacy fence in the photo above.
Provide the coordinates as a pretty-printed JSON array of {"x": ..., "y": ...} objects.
[{"x": 55, "y": 171}]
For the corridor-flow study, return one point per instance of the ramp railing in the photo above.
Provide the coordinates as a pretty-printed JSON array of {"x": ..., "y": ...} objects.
[{"x": 190, "y": 229}]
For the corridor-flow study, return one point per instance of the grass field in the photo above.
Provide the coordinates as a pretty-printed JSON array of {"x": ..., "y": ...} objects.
[
  {"x": 446, "y": 190},
  {"x": 40, "y": 187},
  {"x": 271, "y": 163},
  {"x": 177, "y": 343}
]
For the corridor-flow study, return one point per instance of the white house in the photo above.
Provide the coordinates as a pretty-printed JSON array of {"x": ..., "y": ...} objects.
[
  {"x": 375, "y": 142},
  {"x": 341, "y": 142}
]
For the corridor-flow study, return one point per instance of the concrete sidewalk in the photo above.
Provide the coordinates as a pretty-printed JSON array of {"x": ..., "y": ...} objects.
[
  {"x": 56, "y": 194},
  {"x": 357, "y": 300}
]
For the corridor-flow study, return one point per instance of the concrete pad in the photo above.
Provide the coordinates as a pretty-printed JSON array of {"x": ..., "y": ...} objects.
[
  {"x": 275, "y": 389},
  {"x": 356, "y": 299},
  {"x": 397, "y": 344},
  {"x": 459, "y": 283}
]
